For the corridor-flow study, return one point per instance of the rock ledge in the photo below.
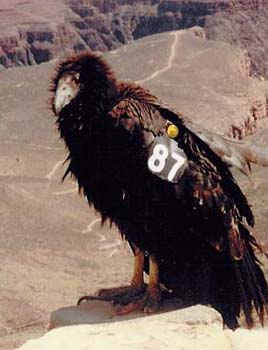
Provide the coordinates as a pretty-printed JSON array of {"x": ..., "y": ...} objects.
[{"x": 196, "y": 327}]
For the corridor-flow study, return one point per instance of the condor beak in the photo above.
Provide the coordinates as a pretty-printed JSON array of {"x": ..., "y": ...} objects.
[{"x": 65, "y": 93}]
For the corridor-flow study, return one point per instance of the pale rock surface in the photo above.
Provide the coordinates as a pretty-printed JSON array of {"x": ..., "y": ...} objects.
[
  {"x": 243, "y": 339},
  {"x": 93, "y": 326},
  {"x": 196, "y": 327}
]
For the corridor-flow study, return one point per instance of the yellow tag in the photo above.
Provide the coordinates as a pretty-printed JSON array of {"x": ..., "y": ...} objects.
[{"x": 172, "y": 131}]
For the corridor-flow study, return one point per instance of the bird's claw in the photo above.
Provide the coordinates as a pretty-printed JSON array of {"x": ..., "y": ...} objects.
[{"x": 129, "y": 298}]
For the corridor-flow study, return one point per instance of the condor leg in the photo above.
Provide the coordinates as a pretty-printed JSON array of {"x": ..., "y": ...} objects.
[
  {"x": 137, "y": 281},
  {"x": 153, "y": 293},
  {"x": 148, "y": 301},
  {"x": 123, "y": 295}
]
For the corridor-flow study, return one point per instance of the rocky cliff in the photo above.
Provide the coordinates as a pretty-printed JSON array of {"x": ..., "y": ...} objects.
[{"x": 34, "y": 32}]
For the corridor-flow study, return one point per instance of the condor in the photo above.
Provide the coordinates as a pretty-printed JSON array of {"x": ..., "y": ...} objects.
[{"x": 166, "y": 183}]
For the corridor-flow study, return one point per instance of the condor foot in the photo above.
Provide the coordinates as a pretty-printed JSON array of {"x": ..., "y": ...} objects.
[
  {"x": 129, "y": 298},
  {"x": 115, "y": 295},
  {"x": 148, "y": 302}
]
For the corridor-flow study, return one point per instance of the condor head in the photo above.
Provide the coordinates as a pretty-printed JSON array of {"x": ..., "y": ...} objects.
[
  {"x": 67, "y": 89},
  {"x": 86, "y": 76}
]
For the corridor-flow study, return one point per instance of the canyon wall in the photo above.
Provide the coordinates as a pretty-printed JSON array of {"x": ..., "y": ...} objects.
[{"x": 28, "y": 36}]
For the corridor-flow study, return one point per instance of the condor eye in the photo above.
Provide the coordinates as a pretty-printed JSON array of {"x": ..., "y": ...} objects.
[{"x": 76, "y": 78}]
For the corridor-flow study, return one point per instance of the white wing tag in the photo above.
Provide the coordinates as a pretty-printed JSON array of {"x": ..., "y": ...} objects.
[{"x": 166, "y": 159}]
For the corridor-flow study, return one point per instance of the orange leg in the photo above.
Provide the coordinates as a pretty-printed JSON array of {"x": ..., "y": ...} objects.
[
  {"x": 137, "y": 282},
  {"x": 149, "y": 301},
  {"x": 138, "y": 295},
  {"x": 124, "y": 293},
  {"x": 153, "y": 292},
  {"x": 137, "y": 279}
]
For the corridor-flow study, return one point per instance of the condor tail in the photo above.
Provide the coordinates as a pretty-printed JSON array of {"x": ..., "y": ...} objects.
[
  {"x": 252, "y": 285},
  {"x": 234, "y": 286},
  {"x": 240, "y": 285}
]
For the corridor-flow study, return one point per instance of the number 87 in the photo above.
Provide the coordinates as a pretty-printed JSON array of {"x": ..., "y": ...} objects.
[{"x": 157, "y": 161}]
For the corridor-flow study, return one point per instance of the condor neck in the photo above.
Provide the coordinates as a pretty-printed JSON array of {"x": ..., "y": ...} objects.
[{"x": 99, "y": 97}]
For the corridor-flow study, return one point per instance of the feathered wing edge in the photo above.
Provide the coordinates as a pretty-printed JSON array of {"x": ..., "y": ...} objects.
[{"x": 232, "y": 152}]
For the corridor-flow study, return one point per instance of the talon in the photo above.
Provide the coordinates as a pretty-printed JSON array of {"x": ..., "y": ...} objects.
[
  {"x": 151, "y": 309},
  {"x": 153, "y": 300},
  {"x": 94, "y": 297},
  {"x": 137, "y": 296},
  {"x": 80, "y": 300},
  {"x": 126, "y": 309},
  {"x": 122, "y": 295},
  {"x": 86, "y": 298}
]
